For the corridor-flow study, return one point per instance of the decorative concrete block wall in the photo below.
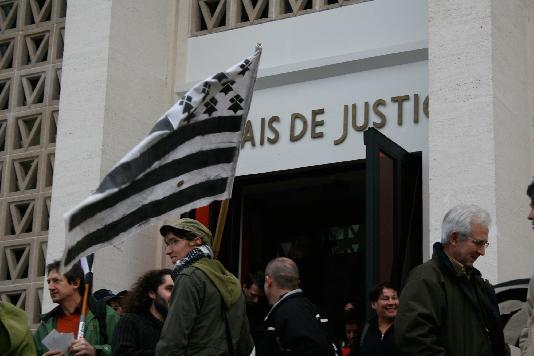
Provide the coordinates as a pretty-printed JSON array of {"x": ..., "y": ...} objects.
[
  {"x": 220, "y": 15},
  {"x": 31, "y": 54}
]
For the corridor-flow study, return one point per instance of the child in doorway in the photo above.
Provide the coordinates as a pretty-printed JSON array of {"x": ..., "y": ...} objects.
[{"x": 349, "y": 345}]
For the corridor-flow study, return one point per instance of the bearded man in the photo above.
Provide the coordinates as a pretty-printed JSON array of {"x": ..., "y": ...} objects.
[{"x": 146, "y": 306}]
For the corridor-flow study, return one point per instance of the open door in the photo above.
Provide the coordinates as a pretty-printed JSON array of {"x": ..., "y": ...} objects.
[{"x": 393, "y": 210}]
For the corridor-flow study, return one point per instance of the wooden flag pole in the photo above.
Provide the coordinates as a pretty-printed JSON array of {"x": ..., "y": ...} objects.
[
  {"x": 88, "y": 282},
  {"x": 220, "y": 227},
  {"x": 83, "y": 316}
]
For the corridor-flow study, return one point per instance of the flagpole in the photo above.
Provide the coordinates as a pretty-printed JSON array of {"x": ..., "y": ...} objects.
[
  {"x": 220, "y": 226},
  {"x": 88, "y": 281}
]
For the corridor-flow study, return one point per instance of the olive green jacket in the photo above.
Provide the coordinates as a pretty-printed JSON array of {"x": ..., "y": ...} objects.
[
  {"x": 203, "y": 295},
  {"x": 15, "y": 336},
  {"x": 444, "y": 311},
  {"x": 92, "y": 330}
]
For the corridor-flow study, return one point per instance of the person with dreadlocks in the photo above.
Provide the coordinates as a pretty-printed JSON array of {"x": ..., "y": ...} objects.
[
  {"x": 146, "y": 307},
  {"x": 207, "y": 311}
]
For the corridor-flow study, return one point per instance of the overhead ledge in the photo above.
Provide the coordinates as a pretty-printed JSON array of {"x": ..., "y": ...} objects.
[{"x": 332, "y": 66}]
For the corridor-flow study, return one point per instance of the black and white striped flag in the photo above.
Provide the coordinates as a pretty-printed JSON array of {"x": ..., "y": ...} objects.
[
  {"x": 512, "y": 299},
  {"x": 187, "y": 161}
]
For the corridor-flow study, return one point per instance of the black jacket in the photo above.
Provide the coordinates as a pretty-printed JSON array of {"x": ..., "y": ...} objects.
[
  {"x": 136, "y": 335},
  {"x": 374, "y": 343},
  {"x": 294, "y": 326},
  {"x": 256, "y": 315}
]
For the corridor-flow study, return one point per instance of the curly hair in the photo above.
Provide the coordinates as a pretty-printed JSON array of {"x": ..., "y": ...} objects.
[{"x": 137, "y": 300}]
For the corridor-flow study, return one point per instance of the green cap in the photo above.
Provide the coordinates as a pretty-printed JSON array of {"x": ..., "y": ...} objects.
[{"x": 190, "y": 225}]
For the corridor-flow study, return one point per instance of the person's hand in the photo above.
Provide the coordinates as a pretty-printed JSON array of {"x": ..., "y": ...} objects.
[
  {"x": 54, "y": 353},
  {"x": 81, "y": 347}
]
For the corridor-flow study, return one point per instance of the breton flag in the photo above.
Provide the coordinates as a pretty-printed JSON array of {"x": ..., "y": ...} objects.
[
  {"x": 187, "y": 161},
  {"x": 512, "y": 299}
]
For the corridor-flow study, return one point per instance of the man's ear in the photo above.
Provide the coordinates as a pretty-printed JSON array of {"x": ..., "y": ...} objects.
[
  {"x": 268, "y": 281},
  {"x": 76, "y": 283},
  {"x": 453, "y": 239},
  {"x": 197, "y": 241},
  {"x": 373, "y": 305},
  {"x": 152, "y": 295}
]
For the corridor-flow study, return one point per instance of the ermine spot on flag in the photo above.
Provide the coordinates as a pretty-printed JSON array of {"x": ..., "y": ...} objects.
[{"x": 186, "y": 161}]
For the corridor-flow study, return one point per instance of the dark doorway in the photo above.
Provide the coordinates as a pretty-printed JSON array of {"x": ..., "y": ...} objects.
[
  {"x": 314, "y": 216},
  {"x": 319, "y": 216}
]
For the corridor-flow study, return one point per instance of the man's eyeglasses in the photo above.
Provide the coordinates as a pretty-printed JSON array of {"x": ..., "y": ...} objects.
[{"x": 480, "y": 243}]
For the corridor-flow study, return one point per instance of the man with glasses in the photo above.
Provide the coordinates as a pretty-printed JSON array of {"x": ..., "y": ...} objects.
[
  {"x": 446, "y": 308},
  {"x": 207, "y": 310}
]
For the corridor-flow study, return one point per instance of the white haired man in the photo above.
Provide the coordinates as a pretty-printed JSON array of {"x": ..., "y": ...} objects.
[{"x": 446, "y": 308}]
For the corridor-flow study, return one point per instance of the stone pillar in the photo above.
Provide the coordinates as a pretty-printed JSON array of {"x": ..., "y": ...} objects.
[
  {"x": 480, "y": 127},
  {"x": 117, "y": 81}
]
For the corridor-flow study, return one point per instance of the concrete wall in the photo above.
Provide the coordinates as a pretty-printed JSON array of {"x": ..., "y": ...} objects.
[
  {"x": 513, "y": 130},
  {"x": 531, "y": 70},
  {"x": 480, "y": 128},
  {"x": 117, "y": 78}
]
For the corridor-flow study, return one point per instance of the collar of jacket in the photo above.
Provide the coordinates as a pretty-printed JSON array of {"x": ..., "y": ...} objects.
[
  {"x": 151, "y": 318},
  {"x": 374, "y": 323},
  {"x": 55, "y": 312},
  {"x": 440, "y": 256},
  {"x": 52, "y": 313},
  {"x": 288, "y": 295}
]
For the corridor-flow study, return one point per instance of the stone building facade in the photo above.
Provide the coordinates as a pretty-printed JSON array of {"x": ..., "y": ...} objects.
[{"x": 126, "y": 61}]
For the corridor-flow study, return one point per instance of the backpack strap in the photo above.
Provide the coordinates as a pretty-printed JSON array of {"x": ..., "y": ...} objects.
[
  {"x": 229, "y": 342},
  {"x": 231, "y": 350}
]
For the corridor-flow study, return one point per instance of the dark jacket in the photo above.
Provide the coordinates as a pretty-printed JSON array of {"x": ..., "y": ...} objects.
[
  {"x": 101, "y": 340},
  {"x": 256, "y": 315},
  {"x": 293, "y": 326},
  {"x": 136, "y": 335},
  {"x": 203, "y": 295},
  {"x": 444, "y": 311},
  {"x": 374, "y": 343}
]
